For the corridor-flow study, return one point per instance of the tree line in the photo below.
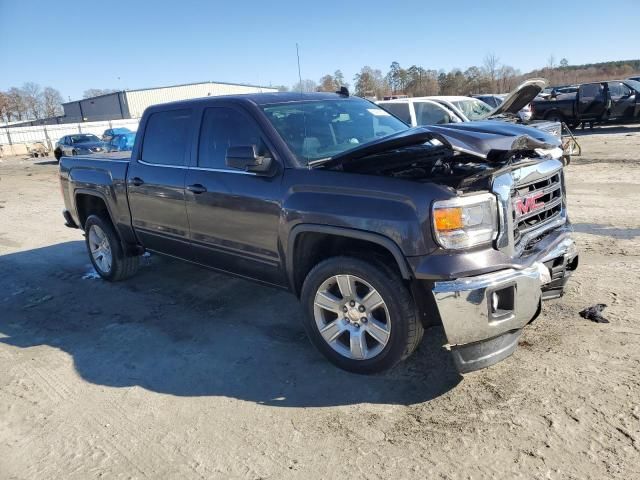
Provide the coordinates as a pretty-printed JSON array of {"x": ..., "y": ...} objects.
[
  {"x": 29, "y": 102},
  {"x": 490, "y": 77},
  {"x": 32, "y": 102}
]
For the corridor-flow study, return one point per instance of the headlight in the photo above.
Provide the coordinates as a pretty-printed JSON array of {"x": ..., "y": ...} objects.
[
  {"x": 465, "y": 222},
  {"x": 555, "y": 153}
]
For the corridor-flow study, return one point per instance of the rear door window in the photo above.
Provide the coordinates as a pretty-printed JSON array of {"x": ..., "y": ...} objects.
[
  {"x": 400, "y": 110},
  {"x": 166, "y": 136},
  {"x": 428, "y": 113},
  {"x": 591, "y": 90}
]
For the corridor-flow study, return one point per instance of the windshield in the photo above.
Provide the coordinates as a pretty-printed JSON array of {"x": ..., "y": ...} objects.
[
  {"x": 83, "y": 138},
  {"x": 473, "y": 108},
  {"x": 324, "y": 128}
]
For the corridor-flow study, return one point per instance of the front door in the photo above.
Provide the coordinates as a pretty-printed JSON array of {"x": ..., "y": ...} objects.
[
  {"x": 623, "y": 101},
  {"x": 234, "y": 215},
  {"x": 156, "y": 183}
]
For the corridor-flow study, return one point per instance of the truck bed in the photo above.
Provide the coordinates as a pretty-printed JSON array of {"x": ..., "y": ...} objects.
[{"x": 101, "y": 174}]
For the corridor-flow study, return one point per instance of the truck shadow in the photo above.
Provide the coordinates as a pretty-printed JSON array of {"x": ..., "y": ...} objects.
[
  {"x": 187, "y": 331},
  {"x": 607, "y": 130}
]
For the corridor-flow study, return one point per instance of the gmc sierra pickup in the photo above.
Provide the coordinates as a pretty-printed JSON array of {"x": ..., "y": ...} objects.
[{"x": 378, "y": 228}]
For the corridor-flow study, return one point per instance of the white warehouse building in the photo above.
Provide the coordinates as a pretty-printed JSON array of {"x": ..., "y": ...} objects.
[{"x": 131, "y": 103}]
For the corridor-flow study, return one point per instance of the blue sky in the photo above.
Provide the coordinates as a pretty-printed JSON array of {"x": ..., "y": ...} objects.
[{"x": 76, "y": 45}]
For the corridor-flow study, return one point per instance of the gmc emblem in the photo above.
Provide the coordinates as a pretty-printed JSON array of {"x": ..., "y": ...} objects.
[{"x": 528, "y": 204}]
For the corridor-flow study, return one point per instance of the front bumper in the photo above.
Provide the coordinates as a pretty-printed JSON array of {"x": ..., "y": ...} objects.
[{"x": 483, "y": 315}]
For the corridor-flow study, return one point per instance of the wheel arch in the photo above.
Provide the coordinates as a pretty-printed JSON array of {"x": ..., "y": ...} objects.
[
  {"x": 88, "y": 202},
  {"x": 303, "y": 249}
]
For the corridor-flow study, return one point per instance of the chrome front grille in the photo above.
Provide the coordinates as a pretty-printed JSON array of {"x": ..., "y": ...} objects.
[
  {"x": 536, "y": 204},
  {"x": 531, "y": 202}
]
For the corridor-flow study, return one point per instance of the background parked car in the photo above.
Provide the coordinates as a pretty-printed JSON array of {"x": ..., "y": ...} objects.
[
  {"x": 111, "y": 132},
  {"x": 79, "y": 144},
  {"x": 453, "y": 109},
  {"x": 441, "y": 110},
  {"x": 495, "y": 100},
  {"x": 122, "y": 142},
  {"x": 637, "y": 79}
]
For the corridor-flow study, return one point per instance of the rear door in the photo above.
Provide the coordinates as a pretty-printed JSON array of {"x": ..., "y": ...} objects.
[
  {"x": 155, "y": 182},
  {"x": 593, "y": 101},
  {"x": 233, "y": 214}
]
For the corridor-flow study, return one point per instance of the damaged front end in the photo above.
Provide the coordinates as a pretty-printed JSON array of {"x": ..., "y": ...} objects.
[{"x": 486, "y": 293}]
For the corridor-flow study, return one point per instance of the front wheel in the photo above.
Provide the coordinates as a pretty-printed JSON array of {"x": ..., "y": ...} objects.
[
  {"x": 360, "y": 315},
  {"x": 105, "y": 250}
]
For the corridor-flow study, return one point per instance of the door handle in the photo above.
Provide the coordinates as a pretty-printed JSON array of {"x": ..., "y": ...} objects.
[
  {"x": 196, "y": 188},
  {"x": 137, "y": 181}
]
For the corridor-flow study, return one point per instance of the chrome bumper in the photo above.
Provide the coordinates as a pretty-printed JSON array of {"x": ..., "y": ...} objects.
[{"x": 483, "y": 315}]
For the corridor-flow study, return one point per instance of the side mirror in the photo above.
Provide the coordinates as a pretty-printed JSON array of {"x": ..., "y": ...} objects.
[{"x": 245, "y": 157}]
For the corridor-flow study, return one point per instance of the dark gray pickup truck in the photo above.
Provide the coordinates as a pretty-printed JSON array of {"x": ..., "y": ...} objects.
[{"x": 379, "y": 229}]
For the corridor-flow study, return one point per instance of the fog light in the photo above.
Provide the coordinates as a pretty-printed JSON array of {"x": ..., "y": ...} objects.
[
  {"x": 494, "y": 302},
  {"x": 502, "y": 303}
]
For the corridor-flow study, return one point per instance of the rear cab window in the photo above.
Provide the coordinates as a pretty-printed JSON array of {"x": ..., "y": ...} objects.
[{"x": 166, "y": 136}]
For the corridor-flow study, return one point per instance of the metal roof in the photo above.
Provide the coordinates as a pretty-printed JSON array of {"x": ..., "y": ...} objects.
[
  {"x": 260, "y": 99},
  {"x": 169, "y": 86}
]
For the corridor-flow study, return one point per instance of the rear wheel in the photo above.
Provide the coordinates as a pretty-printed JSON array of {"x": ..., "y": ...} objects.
[
  {"x": 105, "y": 250},
  {"x": 360, "y": 315}
]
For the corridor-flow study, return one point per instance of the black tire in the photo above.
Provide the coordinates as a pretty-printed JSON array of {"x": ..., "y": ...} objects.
[
  {"x": 406, "y": 329},
  {"x": 122, "y": 265},
  {"x": 57, "y": 154}
]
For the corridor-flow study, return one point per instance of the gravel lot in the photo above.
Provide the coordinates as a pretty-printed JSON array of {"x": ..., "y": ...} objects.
[{"x": 184, "y": 373}]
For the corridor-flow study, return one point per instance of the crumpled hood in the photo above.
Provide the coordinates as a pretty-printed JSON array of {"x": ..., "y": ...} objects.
[
  {"x": 522, "y": 96},
  {"x": 481, "y": 137}
]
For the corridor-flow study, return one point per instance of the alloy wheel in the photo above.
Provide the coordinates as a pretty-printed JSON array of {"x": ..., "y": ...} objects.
[
  {"x": 352, "y": 317},
  {"x": 100, "y": 249}
]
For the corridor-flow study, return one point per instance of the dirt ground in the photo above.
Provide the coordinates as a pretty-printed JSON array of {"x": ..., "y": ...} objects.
[{"x": 184, "y": 373}]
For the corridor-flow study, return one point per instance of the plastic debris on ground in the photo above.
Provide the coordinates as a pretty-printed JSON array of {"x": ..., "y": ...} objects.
[{"x": 594, "y": 313}]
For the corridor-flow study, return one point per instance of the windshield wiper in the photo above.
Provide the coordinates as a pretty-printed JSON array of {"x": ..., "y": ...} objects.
[{"x": 318, "y": 162}]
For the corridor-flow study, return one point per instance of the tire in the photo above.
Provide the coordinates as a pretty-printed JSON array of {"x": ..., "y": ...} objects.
[
  {"x": 113, "y": 265},
  {"x": 396, "y": 321},
  {"x": 57, "y": 154}
]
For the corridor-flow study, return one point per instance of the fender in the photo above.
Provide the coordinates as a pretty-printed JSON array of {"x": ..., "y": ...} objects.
[
  {"x": 92, "y": 193},
  {"x": 127, "y": 241},
  {"x": 376, "y": 238}
]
